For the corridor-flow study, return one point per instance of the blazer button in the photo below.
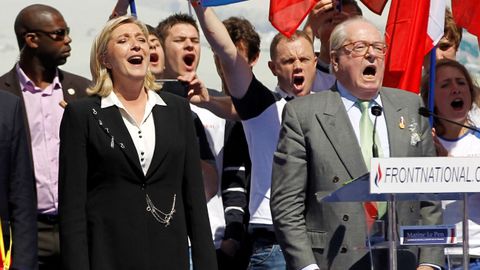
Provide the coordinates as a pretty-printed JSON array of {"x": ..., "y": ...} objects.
[
  {"x": 335, "y": 179},
  {"x": 345, "y": 217},
  {"x": 144, "y": 185},
  {"x": 343, "y": 249}
]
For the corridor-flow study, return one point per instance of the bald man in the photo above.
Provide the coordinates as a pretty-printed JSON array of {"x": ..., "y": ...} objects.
[{"x": 44, "y": 43}]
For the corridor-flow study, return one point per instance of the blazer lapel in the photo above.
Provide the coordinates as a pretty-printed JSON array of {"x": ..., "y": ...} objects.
[
  {"x": 338, "y": 128},
  {"x": 161, "y": 118},
  {"x": 11, "y": 83},
  {"x": 398, "y": 135},
  {"x": 69, "y": 91},
  {"x": 113, "y": 125}
]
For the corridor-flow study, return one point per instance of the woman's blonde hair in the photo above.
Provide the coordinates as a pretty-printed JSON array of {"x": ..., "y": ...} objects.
[{"x": 102, "y": 83}]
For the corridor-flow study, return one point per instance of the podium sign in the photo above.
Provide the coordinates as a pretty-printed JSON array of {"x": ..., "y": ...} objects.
[
  {"x": 428, "y": 235},
  {"x": 425, "y": 175}
]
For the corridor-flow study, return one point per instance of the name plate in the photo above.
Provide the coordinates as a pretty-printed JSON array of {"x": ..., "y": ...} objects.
[
  {"x": 428, "y": 235},
  {"x": 425, "y": 175}
]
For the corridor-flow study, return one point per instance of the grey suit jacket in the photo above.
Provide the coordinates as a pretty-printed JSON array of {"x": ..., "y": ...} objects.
[{"x": 318, "y": 152}]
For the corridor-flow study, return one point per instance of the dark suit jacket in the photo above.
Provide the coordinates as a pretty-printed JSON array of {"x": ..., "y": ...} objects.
[
  {"x": 318, "y": 152},
  {"x": 102, "y": 191},
  {"x": 10, "y": 83},
  {"x": 17, "y": 185}
]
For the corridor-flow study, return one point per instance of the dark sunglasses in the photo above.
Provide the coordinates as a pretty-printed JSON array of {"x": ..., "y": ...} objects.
[{"x": 57, "y": 35}]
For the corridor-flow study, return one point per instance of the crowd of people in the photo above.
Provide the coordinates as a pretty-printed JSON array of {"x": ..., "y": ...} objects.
[{"x": 145, "y": 167}]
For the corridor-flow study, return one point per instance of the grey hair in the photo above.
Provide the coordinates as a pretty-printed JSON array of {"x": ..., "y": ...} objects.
[{"x": 339, "y": 33}]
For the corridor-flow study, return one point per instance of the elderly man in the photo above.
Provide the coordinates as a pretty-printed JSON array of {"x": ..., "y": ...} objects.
[{"x": 322, "y": 145}]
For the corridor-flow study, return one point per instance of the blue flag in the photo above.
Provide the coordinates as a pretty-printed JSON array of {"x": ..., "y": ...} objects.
[{"x": 211, "y": 3}]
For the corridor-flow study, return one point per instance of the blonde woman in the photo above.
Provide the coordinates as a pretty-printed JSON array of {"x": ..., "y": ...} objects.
[{"x": 131, "y": 192}]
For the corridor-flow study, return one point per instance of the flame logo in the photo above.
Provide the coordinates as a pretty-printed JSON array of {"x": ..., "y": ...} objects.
[{"x": 378, "y": 176}]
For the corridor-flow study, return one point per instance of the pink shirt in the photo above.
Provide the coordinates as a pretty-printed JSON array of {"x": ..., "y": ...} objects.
[{"x": 44, "y": 115}]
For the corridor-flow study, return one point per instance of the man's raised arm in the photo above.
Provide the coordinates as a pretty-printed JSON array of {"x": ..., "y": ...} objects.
[{"x": 238, "y": 73}]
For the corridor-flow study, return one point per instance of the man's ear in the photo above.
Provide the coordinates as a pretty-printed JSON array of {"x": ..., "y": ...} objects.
[
  {"x": 31, "y": 40},
  {"x": 334, "y": 60},
  {"x": 271, "y": 65}
]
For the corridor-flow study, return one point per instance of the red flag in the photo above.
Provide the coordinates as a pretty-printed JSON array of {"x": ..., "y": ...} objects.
[
  {"x": 287, "y": 15},
  {"x": 375, "y": 6},
  {"x": 406, "y": 32},
  {"x": 466, "y": 14}
]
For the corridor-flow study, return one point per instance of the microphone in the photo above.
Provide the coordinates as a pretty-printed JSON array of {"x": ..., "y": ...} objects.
[
  {"x": 427, "y": 113},
  {"x": 376, "y": 111}
]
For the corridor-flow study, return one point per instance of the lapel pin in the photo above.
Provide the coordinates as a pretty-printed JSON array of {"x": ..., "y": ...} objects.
[
  {"x": 63, "y": 103},
  {"x": 71, "y": 91},
  {"x": 402, "y": 123}
]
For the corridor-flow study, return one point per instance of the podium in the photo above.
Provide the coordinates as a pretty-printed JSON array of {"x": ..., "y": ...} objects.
[{"x": 420, "y": 178}]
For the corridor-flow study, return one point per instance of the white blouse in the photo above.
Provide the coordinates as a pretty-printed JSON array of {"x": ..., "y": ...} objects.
[{"x": 143, "y": 134}]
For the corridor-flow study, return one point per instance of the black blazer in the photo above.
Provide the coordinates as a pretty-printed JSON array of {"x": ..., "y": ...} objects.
[
  {"x": 18, "y": 202},
  {"x": 102, "y": 191}
]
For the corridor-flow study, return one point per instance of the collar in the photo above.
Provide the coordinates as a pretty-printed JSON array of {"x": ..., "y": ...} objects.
[
  {"x": 349, "y": 100},
  {"x": 26, "y": 84},
  {"x": 112, "y": 100},
  {"x": 284, "y": 94}
]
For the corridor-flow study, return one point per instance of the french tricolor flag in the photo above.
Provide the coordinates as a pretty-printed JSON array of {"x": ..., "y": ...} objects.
[
  {"x": 413, "y": 29},
  {"x": 436, "y": 22}
]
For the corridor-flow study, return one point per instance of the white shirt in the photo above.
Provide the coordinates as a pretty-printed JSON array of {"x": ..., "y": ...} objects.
[
  {"x": 262, "y": 134},
  {"x": 215, "y": 130},
  {"x": 466, "y": 146},
  {"x": 143, "y": 133}
]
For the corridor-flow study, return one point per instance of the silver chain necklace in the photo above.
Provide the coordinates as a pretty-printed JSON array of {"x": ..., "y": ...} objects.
[{"x": 159, "y": 215}]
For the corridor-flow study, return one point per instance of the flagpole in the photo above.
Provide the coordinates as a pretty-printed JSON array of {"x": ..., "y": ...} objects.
[
  {"x": 133, "y": 8},
  {"x": 189, "y": 8},
  {"x": 431, "y": 83}
]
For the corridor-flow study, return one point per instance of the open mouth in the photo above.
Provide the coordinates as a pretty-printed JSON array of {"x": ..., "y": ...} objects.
[
  {"x": 298, "y": 80},
  {"x": 457, "y": 104},
  {"x": 154, "y": 57},
  {"x": 189, "y": 59},
  {"x": 370, "y": 71},
  {"x": 136, "y": 60}
]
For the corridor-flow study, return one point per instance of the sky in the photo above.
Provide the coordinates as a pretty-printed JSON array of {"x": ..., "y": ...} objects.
[{"x": 86, "y": 17}]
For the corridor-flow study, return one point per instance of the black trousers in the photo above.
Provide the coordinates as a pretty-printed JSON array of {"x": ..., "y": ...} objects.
[{"x": 48, "y": 243}]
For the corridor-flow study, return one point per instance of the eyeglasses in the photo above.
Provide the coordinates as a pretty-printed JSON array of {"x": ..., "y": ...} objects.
[
  {"x": 57, "y": 35},
  {"x": 360, "y": 48}
]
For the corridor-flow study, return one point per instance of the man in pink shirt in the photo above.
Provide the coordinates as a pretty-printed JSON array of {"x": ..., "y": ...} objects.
[{"x": 44, "y": 43}]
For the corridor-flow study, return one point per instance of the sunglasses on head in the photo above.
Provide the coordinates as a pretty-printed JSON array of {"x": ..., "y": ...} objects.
[{"x": 57, "y": 35}]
